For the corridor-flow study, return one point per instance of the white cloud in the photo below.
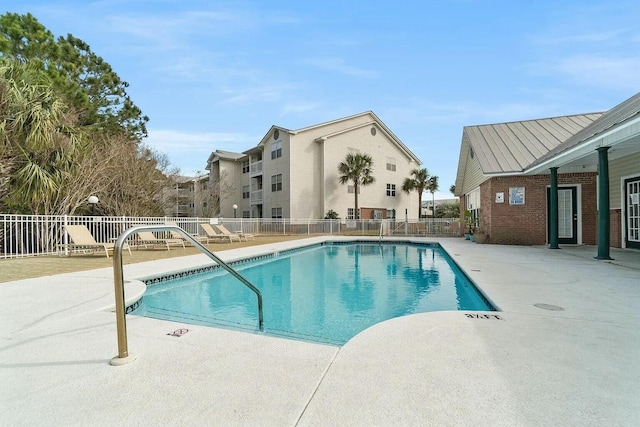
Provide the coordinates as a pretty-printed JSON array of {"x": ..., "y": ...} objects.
[
  {"x": 258, "y": 93},
  {"x": 166, "y": 139},
  {"x": 602, "y": 71},
  {"x": 340, "y": 66},
  {"x": 463, "y": 113},
  {"x": 581, "y": 37},
  {"x": 189, "y": 151},
  {"x": 298, "y": 108}
]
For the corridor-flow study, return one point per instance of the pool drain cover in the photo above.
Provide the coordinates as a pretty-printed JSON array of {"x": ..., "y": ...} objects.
[{"x": 549, "y": 307}]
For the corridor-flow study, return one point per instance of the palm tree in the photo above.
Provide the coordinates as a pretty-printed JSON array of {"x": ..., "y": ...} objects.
[
  {"x": 419, "y": 182},
  {"x": 39, "y": 139},
  {"x": 356, "y": 168},
  {"x": 433, "y": 186}
]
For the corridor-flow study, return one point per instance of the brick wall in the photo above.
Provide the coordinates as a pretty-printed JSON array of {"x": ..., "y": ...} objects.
[
  {"x": 615, "y": 226},
  {"x": 527, "y": 224}
]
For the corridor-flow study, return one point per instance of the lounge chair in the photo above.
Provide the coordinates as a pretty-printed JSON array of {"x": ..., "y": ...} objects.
[
  {"x": 212, "y": 234},
  {"x": 84, "y": 241},
  {"x": 176, "y": 235},
  {"x": 221, "y": 228},
  {"x": 148, "y": 238}
]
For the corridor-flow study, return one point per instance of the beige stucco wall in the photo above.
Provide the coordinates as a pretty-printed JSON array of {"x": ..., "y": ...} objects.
[
  {"x": 380, "y": 148},
  {"x": 306, "y": 176},
  {"x": 277, "y": 166},
  {"x": 307, "y": 159},
  {"x": 233, "y": 171}
]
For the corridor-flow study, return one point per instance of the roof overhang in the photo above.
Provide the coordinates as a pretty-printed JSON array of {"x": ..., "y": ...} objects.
[
  {"x": 266, "y": 137},
  {"x": 623, "y": 140},
  {"x": 405, "y": 150}
]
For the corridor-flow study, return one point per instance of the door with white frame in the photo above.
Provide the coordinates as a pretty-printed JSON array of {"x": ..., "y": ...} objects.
[
  {"x": 567, "y": 215},
  {"x": 632, "y": 212}
]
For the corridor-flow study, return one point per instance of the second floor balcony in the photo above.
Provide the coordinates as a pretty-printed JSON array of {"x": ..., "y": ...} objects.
[
  {"x": 256, "y": 168},
  {"x": 256, "y": 197}
]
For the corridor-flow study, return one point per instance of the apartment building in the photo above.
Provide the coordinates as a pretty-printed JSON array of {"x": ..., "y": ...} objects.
[
  {"x": 187, "y": 197},
  {"x": 294, "y": 173}
]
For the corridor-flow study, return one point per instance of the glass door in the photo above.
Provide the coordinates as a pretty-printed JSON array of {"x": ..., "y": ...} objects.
[{"x": 632, "y": 213}]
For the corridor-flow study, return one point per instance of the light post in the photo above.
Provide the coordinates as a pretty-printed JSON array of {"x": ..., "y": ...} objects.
[
  {"x": 235, "y": 211},
  {"x": 93, "y": 200}
]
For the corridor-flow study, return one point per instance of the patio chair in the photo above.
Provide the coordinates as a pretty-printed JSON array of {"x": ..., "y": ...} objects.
[
  {"x": 83, "y": 240},
  {"x": 221, "y": 228},
  {"x": 212, "y": 234},
  {"x": 148, "y": 238}
]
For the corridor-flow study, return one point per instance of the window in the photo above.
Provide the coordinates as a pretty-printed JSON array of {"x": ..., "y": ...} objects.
[
  {"x": 350, "y": 214},
  {"x": 276, "y": 182},
  {"x": 391, "y": 164},
  {"x": 276, "y": 149},
  {"x": 246, "y": 214},
  {"x": 245, "y": 192},
  {"x": 391, "y": 190},
  {"x": 276, "y": 212},
  {"x": 350, "y": 189},
  {"x": 245, "y": 166}
]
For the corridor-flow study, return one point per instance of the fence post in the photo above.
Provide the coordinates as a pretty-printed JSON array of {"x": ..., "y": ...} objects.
[
  {"x": 65, "y": 238},
  {"x": 406, "y": 222}
]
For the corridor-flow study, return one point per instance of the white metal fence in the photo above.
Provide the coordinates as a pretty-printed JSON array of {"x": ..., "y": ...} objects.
[{"x": 31, "y": 235}]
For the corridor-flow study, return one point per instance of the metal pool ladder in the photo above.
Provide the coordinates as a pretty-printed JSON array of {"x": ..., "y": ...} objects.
[{"x": 123, "y": 356}]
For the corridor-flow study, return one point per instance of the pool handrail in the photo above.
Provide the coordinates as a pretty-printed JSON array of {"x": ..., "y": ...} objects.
[{"x": 123, "y": 356}]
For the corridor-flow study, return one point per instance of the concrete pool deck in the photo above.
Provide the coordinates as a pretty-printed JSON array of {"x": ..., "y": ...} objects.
[{"x": 527, "y": 366}]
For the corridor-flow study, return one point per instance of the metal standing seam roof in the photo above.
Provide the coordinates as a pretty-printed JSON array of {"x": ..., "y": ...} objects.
[
  {"x": 617, "y": 115},
  {"x": 514, "y": 146}
]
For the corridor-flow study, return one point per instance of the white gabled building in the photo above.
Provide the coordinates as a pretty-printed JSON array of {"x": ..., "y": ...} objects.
[{"x": 294, "y": 173}]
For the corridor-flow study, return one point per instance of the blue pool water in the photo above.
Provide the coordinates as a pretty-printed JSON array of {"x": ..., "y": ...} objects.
[{"x": 325, "y": 293}]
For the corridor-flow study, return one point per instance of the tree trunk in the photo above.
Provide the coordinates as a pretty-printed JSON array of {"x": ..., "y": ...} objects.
[
  {"x": 419, "y": 205},
  {"x": 356, "y": 215}
]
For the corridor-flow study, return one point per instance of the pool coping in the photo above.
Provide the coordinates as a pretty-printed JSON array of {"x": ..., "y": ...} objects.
[{"x": 531, "y": 367}]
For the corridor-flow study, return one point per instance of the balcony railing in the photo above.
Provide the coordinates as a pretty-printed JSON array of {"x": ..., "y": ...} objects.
[
  {"x": 256, "y": 168},
  {"x": 256, "y": 197}
]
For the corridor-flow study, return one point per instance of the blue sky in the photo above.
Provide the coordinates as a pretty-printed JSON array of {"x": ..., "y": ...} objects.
[{"x": 216, "y": 75}]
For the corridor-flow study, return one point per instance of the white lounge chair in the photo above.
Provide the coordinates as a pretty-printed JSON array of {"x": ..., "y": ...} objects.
[
  {"x": 212, "y": 234},
  {"x": 82, "y": 240},
  {"x": 148, "y": 238},
  {"x": 221, "y": 228},
  {"x": 176, "y": 235}
]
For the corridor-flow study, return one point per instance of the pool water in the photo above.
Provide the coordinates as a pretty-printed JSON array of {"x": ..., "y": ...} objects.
[{"x": 325, "y": 293}]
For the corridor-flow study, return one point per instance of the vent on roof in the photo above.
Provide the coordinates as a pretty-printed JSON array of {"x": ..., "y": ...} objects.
[
  {"x": 276, "y": 134},
  {"x": 373, "y": 131}
]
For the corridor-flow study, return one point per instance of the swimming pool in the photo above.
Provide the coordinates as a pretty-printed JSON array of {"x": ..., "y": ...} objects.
[{"x": 324, "y": 293}]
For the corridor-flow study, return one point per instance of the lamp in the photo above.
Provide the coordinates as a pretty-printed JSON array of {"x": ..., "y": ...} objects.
[
  {"x": 93, "y": 200},
  {"x": 235, "y": 210}
]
